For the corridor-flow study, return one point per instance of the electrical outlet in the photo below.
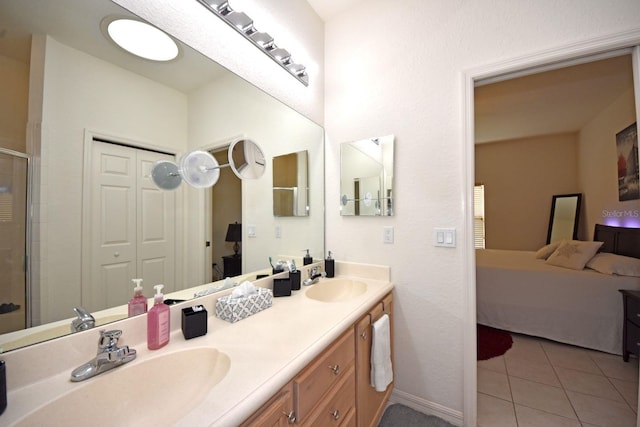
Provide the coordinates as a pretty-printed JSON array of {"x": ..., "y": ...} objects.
[{"x": 278, "y": 232}]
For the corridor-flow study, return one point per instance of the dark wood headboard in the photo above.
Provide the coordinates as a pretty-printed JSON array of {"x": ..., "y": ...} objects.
[{"x": 618, "y": 240}]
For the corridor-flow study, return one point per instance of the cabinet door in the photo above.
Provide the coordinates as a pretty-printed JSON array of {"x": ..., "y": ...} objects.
[
  {"x": 277, "y": 412},
  {"x": 369, "y": 402}
]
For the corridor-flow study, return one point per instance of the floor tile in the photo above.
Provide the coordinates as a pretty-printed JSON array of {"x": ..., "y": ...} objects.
[
  {"x": 494, "y": 412},
  {"x": 494, "y": 384},
  {"x": 526, "y": 348},
  {"x": 602, "y": 412},
  {"x": 529, "y": 417},
  {"x": 540, "y": 372},
  {"x": 541, "y": 396},
  {"x": 565, "y": 356},
  {"x": 628, "y": 390},
  {"x": 614, "y": 367},
  {"x": 495, "y": 364},
  {"x": 586, "y": 383}
]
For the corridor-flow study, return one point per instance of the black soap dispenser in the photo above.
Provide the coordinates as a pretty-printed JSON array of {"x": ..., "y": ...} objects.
[
  {"x": 329, "y": 266},
  {"x": 307, "y": 258}
]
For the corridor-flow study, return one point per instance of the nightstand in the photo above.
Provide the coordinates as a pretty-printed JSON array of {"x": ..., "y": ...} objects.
[
  {"x": 631, "y": 324},
  {"x": 232, "y": 265}
]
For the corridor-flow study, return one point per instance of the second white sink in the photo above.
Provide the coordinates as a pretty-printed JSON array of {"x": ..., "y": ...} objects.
[{"x": 333, "y": 290}]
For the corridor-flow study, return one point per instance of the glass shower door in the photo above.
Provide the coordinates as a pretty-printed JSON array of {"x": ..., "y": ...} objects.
[{"x": 14, "y": 183}]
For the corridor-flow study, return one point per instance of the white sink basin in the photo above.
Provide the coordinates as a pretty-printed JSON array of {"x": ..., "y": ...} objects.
[
  {"x": 154, "y": 391},
  {"x": 333, "y": 290}
]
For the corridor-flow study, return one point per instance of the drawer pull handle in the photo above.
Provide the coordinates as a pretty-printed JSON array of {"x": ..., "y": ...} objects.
[
  {"x": 363, "y": 335},
  {"x": 335, "y": 414},
  {"x": 335, "y": 369},
  {"x": 291, "y": 417}
]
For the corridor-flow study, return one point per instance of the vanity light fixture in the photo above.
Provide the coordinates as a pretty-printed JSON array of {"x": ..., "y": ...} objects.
[
  {"x": 141, "y": 39},
  {"x": 244, "y": 25}
]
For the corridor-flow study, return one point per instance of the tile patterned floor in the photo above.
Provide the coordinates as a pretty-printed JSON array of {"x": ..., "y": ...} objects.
[{"x": 540, "y": 383}]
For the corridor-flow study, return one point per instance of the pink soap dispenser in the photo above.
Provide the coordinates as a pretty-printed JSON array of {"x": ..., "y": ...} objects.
[
  {"x": 138, "y": 303},
  {"x": 158, "y": 321}
]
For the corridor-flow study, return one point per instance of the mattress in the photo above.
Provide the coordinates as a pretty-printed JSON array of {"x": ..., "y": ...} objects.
[{"x": 518, "y": 293}]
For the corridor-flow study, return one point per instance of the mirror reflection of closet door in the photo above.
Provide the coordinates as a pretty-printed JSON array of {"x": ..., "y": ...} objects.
[{"x": 13, "y": 240}]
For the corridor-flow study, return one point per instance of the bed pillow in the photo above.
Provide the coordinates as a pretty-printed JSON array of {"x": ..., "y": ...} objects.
[
  {"x": 546, "y": 251},
  {"x": 573, "y": 254},
  {"x": 615, "y": 264}
]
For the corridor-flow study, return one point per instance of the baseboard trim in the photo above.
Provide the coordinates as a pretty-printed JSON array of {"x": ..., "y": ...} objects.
[{"x": 426, "y": 407}]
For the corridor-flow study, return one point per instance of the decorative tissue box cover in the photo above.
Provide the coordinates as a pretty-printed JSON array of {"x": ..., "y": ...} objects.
[{"x": 236, "y": 309}]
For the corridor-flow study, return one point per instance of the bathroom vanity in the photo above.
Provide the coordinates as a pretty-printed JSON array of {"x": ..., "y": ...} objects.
[
  {"x": 334, "y": 389},
  {"x": 306, "y": 358}
]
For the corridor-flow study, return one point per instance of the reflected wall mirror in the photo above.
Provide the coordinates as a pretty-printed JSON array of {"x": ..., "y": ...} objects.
[
  {"x": 291, "y": 184},
  {"x": 564, "y": 218},
  {"x": 59, "y": 53},
  {"x": 366, "y": 177}
]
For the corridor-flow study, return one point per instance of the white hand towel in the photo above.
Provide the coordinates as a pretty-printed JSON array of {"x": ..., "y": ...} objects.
[{"x": 381, "y": 369}]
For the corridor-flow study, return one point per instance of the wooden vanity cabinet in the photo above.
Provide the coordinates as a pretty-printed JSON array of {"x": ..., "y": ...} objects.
[
  {"x": 370, "y": 404},
  {"x": 277, "y": 412},
  {"x": 328, "y": 375},
  {"x": 335, "y": 389}
]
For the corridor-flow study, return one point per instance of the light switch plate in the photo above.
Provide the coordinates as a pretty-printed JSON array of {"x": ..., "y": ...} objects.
[
  {"x": 251, "y": 231},
  {"x": 444, "y": 237},
  {"x": 388, "y": 234}
]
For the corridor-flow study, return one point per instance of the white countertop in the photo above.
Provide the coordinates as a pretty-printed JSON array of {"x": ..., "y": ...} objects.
[{"x": 266, "y": 350}]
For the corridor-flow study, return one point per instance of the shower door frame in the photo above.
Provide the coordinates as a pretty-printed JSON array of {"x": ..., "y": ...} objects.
[{"x": 28, "y": 232}]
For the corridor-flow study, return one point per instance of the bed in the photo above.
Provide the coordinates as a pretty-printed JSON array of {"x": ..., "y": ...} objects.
[{"x": 519, "y": 293}]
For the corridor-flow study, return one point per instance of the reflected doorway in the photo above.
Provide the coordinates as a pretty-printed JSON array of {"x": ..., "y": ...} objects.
[{"x": 225, "y": 202}]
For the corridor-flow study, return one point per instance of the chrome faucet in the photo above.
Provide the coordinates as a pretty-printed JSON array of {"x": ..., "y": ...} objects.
[
  {"x": 84, "y": 320},
  {"x": 109, "y": 356},
  {"x": 314, "y": 275}
]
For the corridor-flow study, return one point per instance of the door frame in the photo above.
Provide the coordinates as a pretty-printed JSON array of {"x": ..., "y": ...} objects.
[
  {"x": 569, "y": 54},
  {"x": 208, "y": 208},
  {"x": 28, "y": 236}
]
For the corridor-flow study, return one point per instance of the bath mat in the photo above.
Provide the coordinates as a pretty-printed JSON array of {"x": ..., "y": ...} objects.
[
  {"x": 492, "y": 342},
  {"x": 397, "y": 415}
]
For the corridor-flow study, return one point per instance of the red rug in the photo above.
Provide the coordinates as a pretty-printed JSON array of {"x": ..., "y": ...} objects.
[{"x": 492, "y": 342}]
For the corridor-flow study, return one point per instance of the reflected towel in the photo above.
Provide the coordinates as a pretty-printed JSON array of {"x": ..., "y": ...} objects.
[{"x": 381, "y": 369}]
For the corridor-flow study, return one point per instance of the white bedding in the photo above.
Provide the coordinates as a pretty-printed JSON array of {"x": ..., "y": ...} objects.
[{"x": 519, "y": 293}]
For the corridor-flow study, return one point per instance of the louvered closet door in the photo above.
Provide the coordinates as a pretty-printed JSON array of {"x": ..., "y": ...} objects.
[{"x": 132, "y": 226}]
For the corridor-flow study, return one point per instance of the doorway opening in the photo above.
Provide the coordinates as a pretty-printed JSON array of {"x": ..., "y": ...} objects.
[{"x": 588, "y": 52}]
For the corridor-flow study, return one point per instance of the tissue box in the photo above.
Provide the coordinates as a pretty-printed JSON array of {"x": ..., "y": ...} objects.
[
  {"x": 194, "y": 323},
  {"x": 234, "y": 309}
]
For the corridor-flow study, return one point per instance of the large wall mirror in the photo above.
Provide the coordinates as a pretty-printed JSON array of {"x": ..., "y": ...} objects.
[
  {"x": 564, "y": 218},
  {"x": 366, "y": 177},
  {"x": 88, "y": 111}
]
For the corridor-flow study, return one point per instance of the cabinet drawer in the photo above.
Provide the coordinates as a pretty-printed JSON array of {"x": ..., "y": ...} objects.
[
  {"x": 633, "y": 310},
  {"x": 336, "y": 406},
  {"x": 633, "y": 339},
  {"x": 323, "y": 373}
]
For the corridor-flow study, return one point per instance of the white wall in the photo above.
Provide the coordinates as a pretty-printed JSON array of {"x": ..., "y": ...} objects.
[
  {"x": 278, "y": 130},
  {"x": 398, "y": 70}
]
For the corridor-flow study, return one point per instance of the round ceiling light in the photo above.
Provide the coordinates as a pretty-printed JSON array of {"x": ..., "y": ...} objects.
[{"x": 142, "y": 39}]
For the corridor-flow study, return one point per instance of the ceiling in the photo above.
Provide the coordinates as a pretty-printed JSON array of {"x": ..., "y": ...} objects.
[
  {"x": 558, "y": 101},
  {"x": 327, "y": 9},
  {"x": 65, "y": 19}
]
